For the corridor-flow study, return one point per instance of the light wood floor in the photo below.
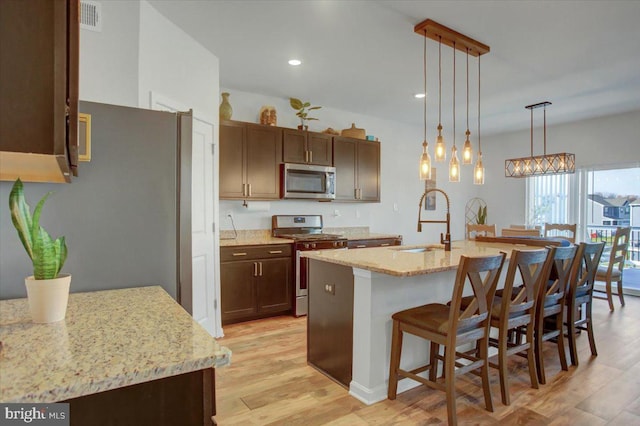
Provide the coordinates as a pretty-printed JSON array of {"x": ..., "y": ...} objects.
[{"x": 269, "y": 383}]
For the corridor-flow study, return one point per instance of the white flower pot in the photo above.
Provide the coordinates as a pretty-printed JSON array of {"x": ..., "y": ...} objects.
[{"x": 48, "y": 298}]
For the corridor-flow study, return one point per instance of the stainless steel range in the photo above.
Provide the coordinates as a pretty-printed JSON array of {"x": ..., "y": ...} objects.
[{"x": 306, "y": 231}]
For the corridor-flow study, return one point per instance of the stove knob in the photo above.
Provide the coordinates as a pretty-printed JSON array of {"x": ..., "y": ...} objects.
[
  {"x": 306, "y": 245},
  {"x": 313, "y": 245},
  {"x": 336, "y": 244}
]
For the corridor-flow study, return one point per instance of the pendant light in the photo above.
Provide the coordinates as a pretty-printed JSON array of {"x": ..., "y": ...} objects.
[
  {"x": 425, "y": 159},
  {"x": 441, "y": 149},
  {"x": 467, "y": 152},
  {"x": 478, "y": 170},
  {"x": 545, "y": 164},
  {"x": 441, "y": 34},
  {"x": 454, "y": 164}
]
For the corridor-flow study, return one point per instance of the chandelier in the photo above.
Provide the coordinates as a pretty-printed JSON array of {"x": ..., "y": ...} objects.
[
  {"x": 457, "y": 41},
  {"x": 545, "y": 164}
]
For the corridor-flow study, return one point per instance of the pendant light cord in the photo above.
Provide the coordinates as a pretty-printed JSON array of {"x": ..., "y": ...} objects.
[
  {"x": 467, "y": 89},
  {"x": 454, "y": 94},
  {"x": 424, "y": 68},
  {"x": 545, "y": 129},
  {"x": 531, "y": 136},
  {"x": 439, "y": 79},
  {"x": 479, "y": 146}
]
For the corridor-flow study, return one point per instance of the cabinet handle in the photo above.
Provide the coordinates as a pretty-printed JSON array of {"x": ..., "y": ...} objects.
[
  {"x": 384, "y": 244},
  {"x": 244, "y": 189},
  {"x": 311, "y": 156},
  {"x": 355, "y": 193},
  {"x": 275, "y": 251},
  {"x": 249, "y": 190},
  {"x": 361, "y": 246},
  {"x": 306, "y": 156},
  {"x": 255, "y": 269},
  {"x": 260, "y": 263},
  {"x": 239, "y": 254}
]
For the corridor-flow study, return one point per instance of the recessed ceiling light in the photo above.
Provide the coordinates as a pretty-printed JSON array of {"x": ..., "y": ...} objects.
[
  {"x": 419, "y": 95},
  {"x": 295, "y": 62}
]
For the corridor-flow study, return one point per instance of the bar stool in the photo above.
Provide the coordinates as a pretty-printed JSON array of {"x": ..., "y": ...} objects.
[
  {"x": 514, "y": 310},
  {"x": 450, "y": 326},
  {"x": 561, "y": 230},
  {"x": 580, "y": 294},
  {"x": 613, "y": 272},
  {"x": 550, "y": 306}
]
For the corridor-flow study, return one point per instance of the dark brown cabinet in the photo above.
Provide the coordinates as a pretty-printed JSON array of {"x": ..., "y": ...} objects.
[
  {"x": 255, "y": 281},
  {"x": 250, "y": 157},
  {"x": 374, "y": 242},
  {"x": 39, "y": 51},
  {"x": 299, "y": 146},
  {"x": 357, "y": 164}
]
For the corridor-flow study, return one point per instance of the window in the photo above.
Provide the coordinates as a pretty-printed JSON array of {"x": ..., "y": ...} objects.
[{"x": 548, "y": 199}]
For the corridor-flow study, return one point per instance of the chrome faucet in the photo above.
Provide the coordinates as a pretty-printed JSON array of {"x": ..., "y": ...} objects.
[{"x": 446, "y": 240}]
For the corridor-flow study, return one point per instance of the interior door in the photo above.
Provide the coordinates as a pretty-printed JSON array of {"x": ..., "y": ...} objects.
[{"x": 203, "y": 300}]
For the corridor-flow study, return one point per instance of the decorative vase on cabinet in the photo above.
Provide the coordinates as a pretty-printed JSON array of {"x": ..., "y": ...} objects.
[{"x": 225, "y": 107}]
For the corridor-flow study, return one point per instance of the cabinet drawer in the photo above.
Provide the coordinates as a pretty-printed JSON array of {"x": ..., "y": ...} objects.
[
  {"x": 377, "y": 242},
  {"x": 229, "y": 254}
]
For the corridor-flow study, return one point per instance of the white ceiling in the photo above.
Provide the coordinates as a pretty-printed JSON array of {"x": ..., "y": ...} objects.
[{"x": 363, "y": 56}]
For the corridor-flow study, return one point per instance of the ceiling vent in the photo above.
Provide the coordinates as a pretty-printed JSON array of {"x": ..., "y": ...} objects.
[{"x": 91, "y": 15}]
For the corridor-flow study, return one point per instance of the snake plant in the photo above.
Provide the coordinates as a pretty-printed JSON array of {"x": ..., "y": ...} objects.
[
  {"x": 482, "y": 215},
  {"x": 47, "y": 255}
]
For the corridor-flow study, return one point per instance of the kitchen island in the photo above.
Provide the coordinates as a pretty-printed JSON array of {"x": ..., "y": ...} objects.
[
  {"x": 130, "y": 356},
  {"x": 352, "y": 295}
]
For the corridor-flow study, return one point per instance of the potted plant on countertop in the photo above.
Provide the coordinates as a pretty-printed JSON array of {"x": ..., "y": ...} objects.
[
  {"x": 303, "y": 109},
  {"x": 47, "y": 289}
]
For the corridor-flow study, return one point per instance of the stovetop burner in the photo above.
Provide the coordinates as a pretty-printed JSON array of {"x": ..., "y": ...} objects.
[{"x": 311, "y": 236}]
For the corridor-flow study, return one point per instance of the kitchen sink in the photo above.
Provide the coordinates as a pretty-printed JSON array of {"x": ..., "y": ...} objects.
[{"x": 420, "y": 249}]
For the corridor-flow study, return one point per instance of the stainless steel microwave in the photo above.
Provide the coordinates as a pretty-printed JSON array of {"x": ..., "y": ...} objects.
[{"x": 308, "y": 181}]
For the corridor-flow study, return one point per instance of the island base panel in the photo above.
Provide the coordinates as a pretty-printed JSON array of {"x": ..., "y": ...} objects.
[
  {"x": 183, "y": 400},
  {"x": 330, "y": 320}
]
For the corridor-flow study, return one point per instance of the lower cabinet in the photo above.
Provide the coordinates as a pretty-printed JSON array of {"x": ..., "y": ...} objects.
[{"x": 255, "y": 282}]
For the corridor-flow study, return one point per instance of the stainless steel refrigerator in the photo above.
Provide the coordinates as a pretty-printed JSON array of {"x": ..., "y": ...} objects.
[{"x": 126, "y": 217}]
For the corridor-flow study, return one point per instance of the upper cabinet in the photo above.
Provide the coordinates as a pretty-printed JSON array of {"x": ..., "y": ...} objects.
[
  {"x": 39, "y": 52},
  {"x": 305, "y": 147},
  {"x": 357, "y": 164},
  {"x": 250, "y": 157}
]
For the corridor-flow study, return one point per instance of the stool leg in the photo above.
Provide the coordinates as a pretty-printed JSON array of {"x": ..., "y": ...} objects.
[
  {"x": 620, "y": 293},
  {"x": 538, "y": 350},
  {"x": 609, "y": 295},
  {"x": 502, "y": 366},
  {"x": 533, "y": 374},
  {"x": 486, "y": 385},
  {"x": 394, "y": 363},
  {"x": 592, "y": 340},
  {"x": 433, "y": 361},
  {"x": 449, "y": 379},
  {"x": 571, "y": 334},
  {"x": 561, "y": 353}
]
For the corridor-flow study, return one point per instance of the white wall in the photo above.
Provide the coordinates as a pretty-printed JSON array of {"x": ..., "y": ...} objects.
[
  {"x": 172, "y": 63},
  {"x": 109, "y": 59},
  {"x": 401, "y": 146},
  {"x": 600, "y": 141}
]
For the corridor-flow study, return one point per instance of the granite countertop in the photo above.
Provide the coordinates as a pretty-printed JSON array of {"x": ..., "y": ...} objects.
[
  {"x": 109, "y": 339},
  {"x": 397, "y": 261},
  {"x": 250, "y": 237}
]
